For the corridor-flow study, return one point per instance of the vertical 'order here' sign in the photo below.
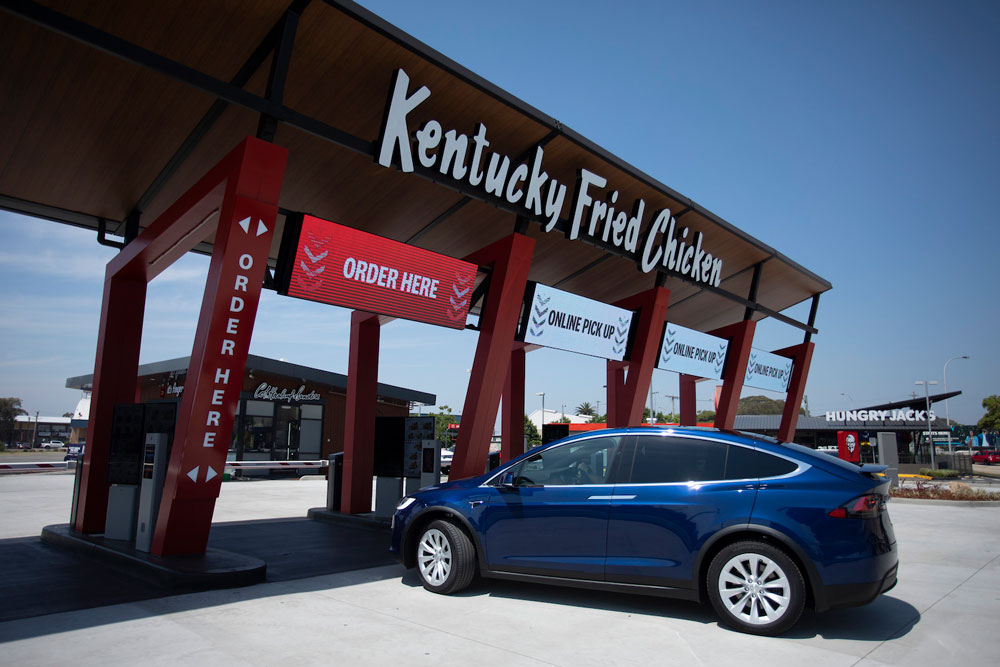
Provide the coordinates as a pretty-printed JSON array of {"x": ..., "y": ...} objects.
[{"x": 343, "y": 266}]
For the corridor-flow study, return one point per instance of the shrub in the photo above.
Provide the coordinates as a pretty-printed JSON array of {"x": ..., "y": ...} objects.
[
  {"x": 943, "y": 473},
  {"x": 953, "y": 491}
]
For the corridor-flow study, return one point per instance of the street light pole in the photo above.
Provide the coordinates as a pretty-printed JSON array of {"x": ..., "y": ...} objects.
[
  {"x": 927, "y": 398},
  {"x": 542, "y": 420},
  {"x": 947, "y": 413}
]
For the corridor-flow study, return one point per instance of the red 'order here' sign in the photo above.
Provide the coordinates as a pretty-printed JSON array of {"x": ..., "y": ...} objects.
[{"x": 343, "y": 266}]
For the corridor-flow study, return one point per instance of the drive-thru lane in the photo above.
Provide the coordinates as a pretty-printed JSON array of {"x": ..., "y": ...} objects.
[{"x": 948, "y": 588}]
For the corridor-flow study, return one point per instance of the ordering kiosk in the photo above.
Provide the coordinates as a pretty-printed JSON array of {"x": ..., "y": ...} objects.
[
  {"x": 141, "y": 434},
  {"x": 406, "y": 458}
]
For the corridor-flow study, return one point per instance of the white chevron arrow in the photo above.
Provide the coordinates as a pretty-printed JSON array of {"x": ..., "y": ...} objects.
[
  {"x": 193, "y": 474},
  {"x": 210, "y": 473},
  {"x": 245, "y": 224}
]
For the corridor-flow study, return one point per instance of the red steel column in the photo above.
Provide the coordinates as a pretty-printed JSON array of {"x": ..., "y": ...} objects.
[
  {"x": 247, "y": 182},
  {"x": 689, "y": 399},
  {"x": 616, "y": 391},
  {"x": 359, "y": 425},
  {"x": 801, "y": 356},
  {"x": 630, "y": 397},
  {"x": 116, "y": 372},
  {"x": 218, "y": 357},
  {"x": 512, "y": 421},
  {"x": 511, "y": 261},
  {"x": 740, "y": 336}
]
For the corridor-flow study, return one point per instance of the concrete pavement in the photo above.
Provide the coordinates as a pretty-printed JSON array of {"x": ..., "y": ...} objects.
[{"x": 941, "y": 612}]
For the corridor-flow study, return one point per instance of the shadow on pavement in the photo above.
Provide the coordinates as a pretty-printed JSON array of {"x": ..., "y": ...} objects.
[
  {"x": 885, "y": 618},
  {"x": 38, "y": 579},
  {"x": 579, "y": 597}
]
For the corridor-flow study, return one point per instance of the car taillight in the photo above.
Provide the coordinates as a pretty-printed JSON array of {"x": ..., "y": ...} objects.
[{"x": 862, "y": 507}]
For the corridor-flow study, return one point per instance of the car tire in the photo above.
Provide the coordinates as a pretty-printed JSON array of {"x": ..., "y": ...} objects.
[
  {"x": 446, "y": 558},
  {"x": 756, "y": 588}
]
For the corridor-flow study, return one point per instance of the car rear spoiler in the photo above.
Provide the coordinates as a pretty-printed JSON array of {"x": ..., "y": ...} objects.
[{"x": 874, "y": 468}]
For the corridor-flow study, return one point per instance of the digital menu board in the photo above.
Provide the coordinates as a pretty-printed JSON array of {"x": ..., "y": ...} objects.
[
  {"x": 569, "y": 322},
  {"x": 342, "y": 266}
]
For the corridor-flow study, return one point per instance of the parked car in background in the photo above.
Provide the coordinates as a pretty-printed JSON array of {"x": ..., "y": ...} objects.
[
  {"x": 756, "y": 527},
  {"x": 447, "y": 454},
  {"x": 52, "y": 444},
  {"x": 986, "y": 457}
]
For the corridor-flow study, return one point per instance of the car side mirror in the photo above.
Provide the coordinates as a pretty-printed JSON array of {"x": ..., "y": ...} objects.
[{"x": 507, "y": 480}]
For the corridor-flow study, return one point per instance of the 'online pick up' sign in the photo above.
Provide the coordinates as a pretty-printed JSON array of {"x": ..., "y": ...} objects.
[
  {"x": 569, "y": 322},
  {"x": 692, "y": 352},
  {"x": 768, "y": 371}
]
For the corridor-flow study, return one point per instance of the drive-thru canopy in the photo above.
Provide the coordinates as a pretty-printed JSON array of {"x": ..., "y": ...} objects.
[{"x": 116, "y": 111}]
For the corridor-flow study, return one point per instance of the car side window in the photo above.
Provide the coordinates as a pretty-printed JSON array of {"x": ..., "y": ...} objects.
[
  {"x": 586, "y": 462},
  {"x": 741, "y": 463},
  {"x": 660, "y": 460},
  {"x": 773, "y": 466}
]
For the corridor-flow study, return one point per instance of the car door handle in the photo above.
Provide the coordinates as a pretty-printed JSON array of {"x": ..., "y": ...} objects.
[
  {"x": 632, "y": 497},
  {"x": 475, "y": 503}
]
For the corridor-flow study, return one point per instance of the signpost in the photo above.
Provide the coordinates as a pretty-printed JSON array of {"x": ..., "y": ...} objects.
[
  {"x": 342, "y": 266},
  {"x": 573, "y": 323},
  {"x": 692, "y": 352},
  {"x": 768, "y": 371}
]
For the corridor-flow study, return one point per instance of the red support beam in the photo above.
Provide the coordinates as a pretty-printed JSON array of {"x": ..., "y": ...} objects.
[
  {"x": 740, "y": 337},
  {"x": 689, "y": 399},
  {"x": 629, "y": 397},
  {"x": 244, "y": 184},
  {"x": 244, "y": 228},
  {"x": 116, "y": 372},
  {"x": 616, "y": 390},
  {"x": 359, "y": 425},
  {"x": 801, "y": 356},
  {"x": 510, "y": 258},
  {"x": 512, "y": 421}
]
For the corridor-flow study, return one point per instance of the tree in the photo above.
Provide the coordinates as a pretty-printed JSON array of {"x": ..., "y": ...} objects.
[
  {"x": 534, "y": 439},
  {"x": 706, "y": 416},
  {"x": 441, "y": 421},
  {"x": 10, "y": 408},
  {"x": 586, "y": 409},
  {"x": 762, "y": 405},
  {"x": 599, "y": 419},
  {"x": 991, "y": 420},
  {"x": 68, "y": 414},
  {"x": 563, "y": 420}
]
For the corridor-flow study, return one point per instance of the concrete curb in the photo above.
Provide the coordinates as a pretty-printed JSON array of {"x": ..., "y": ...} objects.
[
  {"x": 369, "y": 520},
  {"x": 213, "y": 569}
]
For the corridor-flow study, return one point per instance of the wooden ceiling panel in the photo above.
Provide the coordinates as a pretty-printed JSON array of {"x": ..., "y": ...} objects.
[{"x": 89, "y": 132}]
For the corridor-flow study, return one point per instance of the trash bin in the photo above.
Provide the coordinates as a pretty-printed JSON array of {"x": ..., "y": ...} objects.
[{"x": 334, "y": 481}]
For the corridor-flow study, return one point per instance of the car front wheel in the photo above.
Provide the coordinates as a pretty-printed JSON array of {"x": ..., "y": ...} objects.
[
  {"x": 446, "y": 558},
  {"x": 756, "y": 588}
]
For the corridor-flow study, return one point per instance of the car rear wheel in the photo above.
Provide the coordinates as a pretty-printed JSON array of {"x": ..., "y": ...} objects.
[
  {"x": 446, "y": 558},
  {"x": 756, "y": 588}
]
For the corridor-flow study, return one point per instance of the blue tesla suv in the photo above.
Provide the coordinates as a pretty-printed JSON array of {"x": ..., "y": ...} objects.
[{"x": 759, "y": 528}]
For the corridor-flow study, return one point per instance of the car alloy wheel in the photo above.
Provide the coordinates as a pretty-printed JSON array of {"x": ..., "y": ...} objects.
[
  {"x": 445, "y": 558},
  {"x": 756, "y": 588}
]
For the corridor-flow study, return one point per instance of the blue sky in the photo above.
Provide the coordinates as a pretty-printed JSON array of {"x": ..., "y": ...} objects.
[{"x": 860, "y": 139}]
